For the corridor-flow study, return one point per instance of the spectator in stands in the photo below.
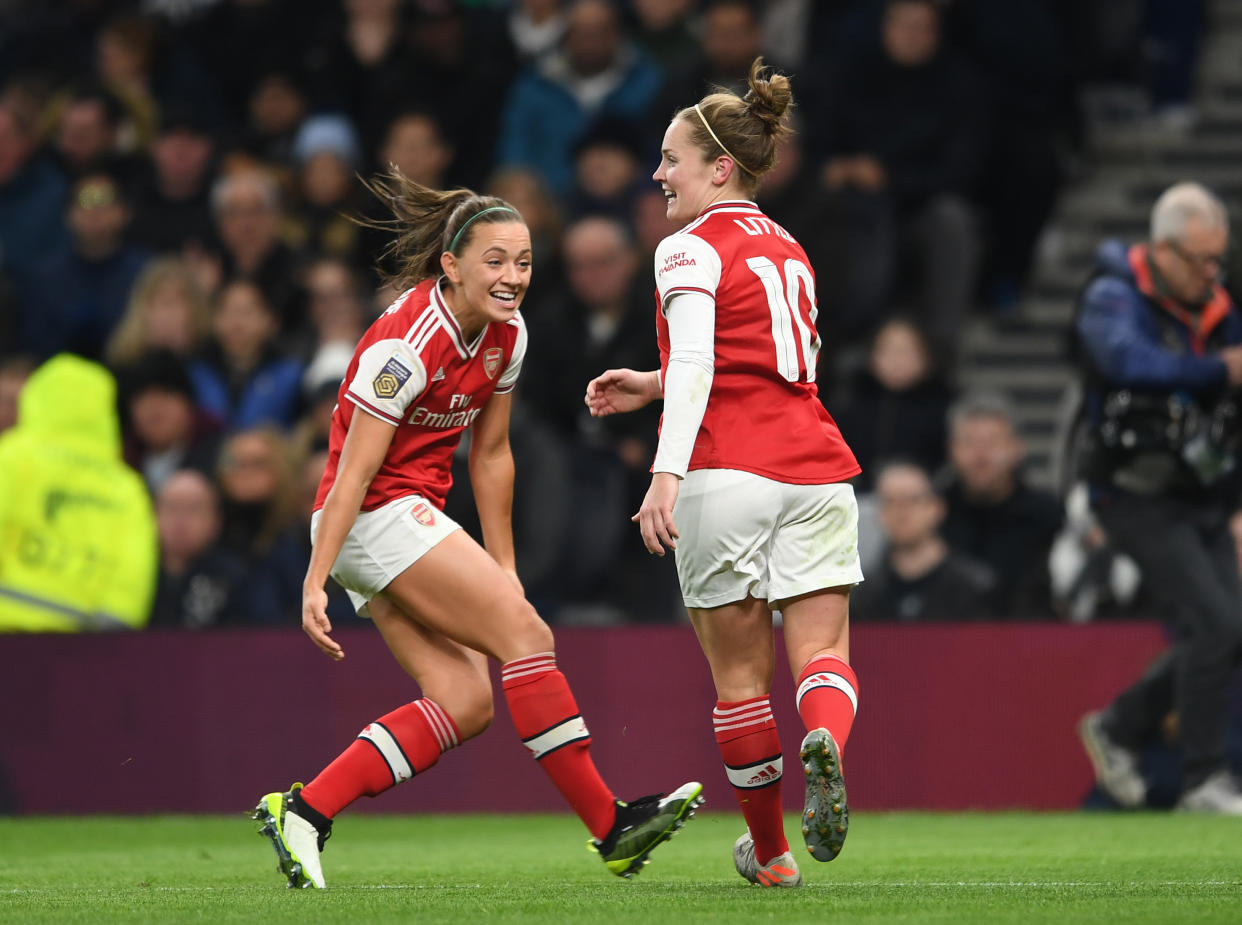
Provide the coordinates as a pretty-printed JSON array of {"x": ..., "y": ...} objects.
[
  {"x": 729, "y": 39},
  {"x": 1019, "y": 47},
  {"x": 238, "y": 41},
  {"x": 247, "y": 209},
  {"x": 597, "y": 72},
  {"x": 994, "y": 516},
  {"x": 200, "y": 584},
  {"x": 171, "y": 207},
  {"x": 920, "y": 577},
  {"x": 1162, "y": 344},
  {"x": 275, "y": 110},
  {"x": 164, "y": 430},
  {"x": 416, "y": 143},
  {"x": 607, "y": 170},
  {"x": 166, "y": 310},
  {"x": 77, "y": 534},
  {"x": 87, "y": 128},
  {"x": 15, "y": 369},
  {"x": 900, "y": 140},
  {"x": 243, "y": 377},
  {"x": 78, "y": 295},
  {"x": 360, "y": 65},
  {"x": 125, "y": 51},
  {"x": 260, "y": 489},
  {"x": 338, "y": 308},
  {"x": 32, "y": 200},
  {"x": 602, "y": 321},
  {"x": 664, "y": 28},
  {"x": 326, "y": 156},
  {"x": 535, "y": 28},
  {"x": 462, "y": 63},
  {"x": 896, "y": 407}
]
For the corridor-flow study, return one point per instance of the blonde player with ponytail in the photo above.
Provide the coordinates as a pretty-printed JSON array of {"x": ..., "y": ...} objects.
[{"x": 749, "y": 483}]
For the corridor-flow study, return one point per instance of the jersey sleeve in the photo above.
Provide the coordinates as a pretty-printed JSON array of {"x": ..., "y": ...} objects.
[
  {"x": 508, "y": 379},
  {"x": 686, "y": 263},
  {"x": 390, "y": 376}
]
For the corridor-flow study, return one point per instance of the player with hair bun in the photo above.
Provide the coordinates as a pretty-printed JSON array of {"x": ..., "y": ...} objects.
[
  {"x": 442, "y": 359},
  {"x": 749, "y": 480}
]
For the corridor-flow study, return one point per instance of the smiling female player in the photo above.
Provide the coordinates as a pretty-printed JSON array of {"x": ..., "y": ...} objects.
[
  {"x": 749, "y": 481},
  {"x": 443, "y": 358}
]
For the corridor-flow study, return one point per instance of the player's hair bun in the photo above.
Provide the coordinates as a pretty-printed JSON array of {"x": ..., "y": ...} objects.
[{"x": 769, "y": 97}]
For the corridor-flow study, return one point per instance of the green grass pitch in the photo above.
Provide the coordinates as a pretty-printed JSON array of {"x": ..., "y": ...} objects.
[{"x": 907, "y": 867}]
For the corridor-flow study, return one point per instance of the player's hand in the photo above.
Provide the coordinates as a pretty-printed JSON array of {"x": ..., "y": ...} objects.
[
  {"x": 655, "y": 517},
  {"x": 316, "y": 624},
  {"x": 616, "y": 391}
]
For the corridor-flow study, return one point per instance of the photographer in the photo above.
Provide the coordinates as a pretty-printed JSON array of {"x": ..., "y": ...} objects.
[{"x": 1160, "y": 340}]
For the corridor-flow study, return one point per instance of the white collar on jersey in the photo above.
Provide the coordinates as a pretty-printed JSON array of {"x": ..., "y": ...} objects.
[
  {"x": 730, "y": 205},
  {"x": 464, "y": 350}
]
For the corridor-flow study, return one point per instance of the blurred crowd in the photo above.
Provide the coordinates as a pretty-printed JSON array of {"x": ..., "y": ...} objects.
[{"x": 177, "y": 179}]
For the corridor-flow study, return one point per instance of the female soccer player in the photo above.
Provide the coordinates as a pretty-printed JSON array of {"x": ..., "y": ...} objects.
[
  {"x": 750, "y": 470},
  {"x": 443, "y": 358}
]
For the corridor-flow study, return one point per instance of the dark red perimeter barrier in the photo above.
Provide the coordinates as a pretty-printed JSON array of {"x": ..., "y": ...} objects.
[{"x": 951, "y": 717}]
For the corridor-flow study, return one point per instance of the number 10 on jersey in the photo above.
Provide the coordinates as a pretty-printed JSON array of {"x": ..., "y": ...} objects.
[{"x": 797, "y": 344}]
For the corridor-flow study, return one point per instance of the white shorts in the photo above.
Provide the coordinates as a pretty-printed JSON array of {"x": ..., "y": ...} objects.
[
  {"x": 743, "y": 534},
  {"x": 383, "y": 543}
]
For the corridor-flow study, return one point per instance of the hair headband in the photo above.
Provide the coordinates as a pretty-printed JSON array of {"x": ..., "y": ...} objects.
[
  {"x": 466, "y": 223},
  {"x": 703, "y": 119}
]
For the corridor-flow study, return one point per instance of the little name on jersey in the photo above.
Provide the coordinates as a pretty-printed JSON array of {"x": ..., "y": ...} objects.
[
  {"x": 760, "y": 225},
  {"x": 464, "y": 417}
]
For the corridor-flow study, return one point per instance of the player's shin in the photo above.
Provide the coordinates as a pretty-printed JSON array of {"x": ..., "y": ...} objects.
[
  {"x": 751, "y": 749},
  {"x": 394, "y": 748},
  {"x": 547, "y": 718},
  {"x": 828, "y": 697}
]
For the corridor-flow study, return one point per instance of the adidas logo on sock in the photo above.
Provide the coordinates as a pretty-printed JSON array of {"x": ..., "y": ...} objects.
[{"x": 765, "y": 776}]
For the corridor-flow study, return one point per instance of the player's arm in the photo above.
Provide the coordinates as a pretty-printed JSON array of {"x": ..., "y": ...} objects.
[
  {"x": 366, "y": 445},
  {"x": 688, "y": 383},
  {"x": 491, "y": 476},
  {"x": 616, "y": 391}
]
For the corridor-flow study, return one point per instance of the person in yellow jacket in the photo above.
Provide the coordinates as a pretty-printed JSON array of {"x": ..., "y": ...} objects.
[{"x": 78, "y": 547}]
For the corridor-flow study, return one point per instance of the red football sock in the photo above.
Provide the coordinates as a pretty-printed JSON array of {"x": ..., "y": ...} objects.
[
  {"x": 751, "y": 749},
  {"x": 390, "y": 750},
  {"x": 547, "y": 719},
  {"x": 828, "y": 697}
]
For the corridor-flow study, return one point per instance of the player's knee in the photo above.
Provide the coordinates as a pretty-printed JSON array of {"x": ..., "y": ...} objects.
[
  {"x": 528, "y": 634},
  {"x": 474, "y": 713},
  {"x": 470, "y": 706}
]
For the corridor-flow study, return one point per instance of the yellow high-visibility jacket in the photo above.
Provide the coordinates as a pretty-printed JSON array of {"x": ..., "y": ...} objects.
[{"x": 78, "y": 548}]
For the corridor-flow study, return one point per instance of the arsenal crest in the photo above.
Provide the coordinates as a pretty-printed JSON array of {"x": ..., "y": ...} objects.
[
  {"x": 491, "y": 361},
  {"x": 424, "y": 514}
]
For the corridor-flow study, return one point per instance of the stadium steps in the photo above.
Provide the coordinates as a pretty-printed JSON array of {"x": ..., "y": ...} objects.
[{"x": 1131, "y": 161}]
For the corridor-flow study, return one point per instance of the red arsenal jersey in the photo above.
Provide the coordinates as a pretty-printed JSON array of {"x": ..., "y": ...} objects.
[
  {"x": 413, "y": 368},
  {"x": 763, "y": 413}
]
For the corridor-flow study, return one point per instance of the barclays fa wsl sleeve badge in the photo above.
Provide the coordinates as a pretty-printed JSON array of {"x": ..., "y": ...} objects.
[{"x": 390, "y": 379}]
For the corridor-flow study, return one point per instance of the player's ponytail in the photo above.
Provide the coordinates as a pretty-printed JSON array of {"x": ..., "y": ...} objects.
[
  {"x": 745, "y": 129},
  {"x": 426, "y": 222}
]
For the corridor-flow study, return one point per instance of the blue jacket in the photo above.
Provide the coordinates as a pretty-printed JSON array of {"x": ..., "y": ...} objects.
[
  {"x": 1146, "y": 356},
  {"x": 270, "y": 395},
  {"x": 1122, "y": 327},
  {"x": 542, "y": 119}
]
